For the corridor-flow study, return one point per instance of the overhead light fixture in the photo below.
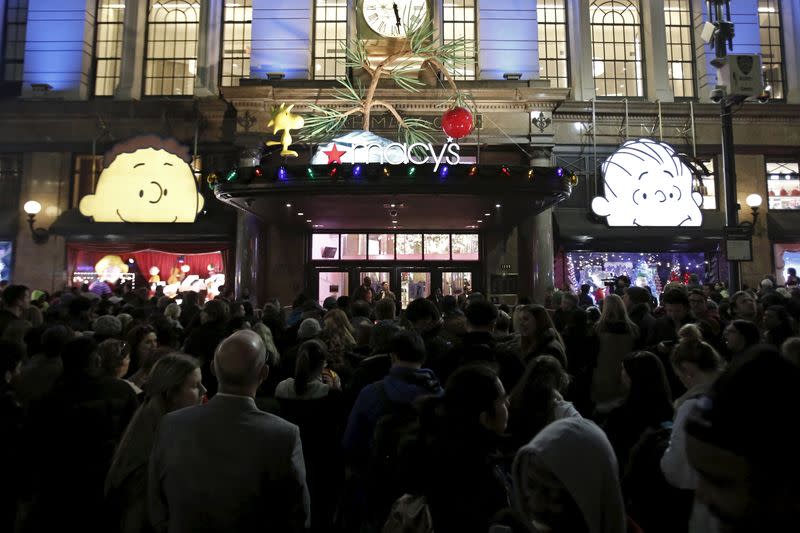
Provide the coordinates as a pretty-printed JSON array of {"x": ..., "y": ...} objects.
[
  {"x": 300, "y": 214},
  {"x": 275, "y": 76},
  {"x": 288, "y": 205},
  {"x": 394, "y": 222},
  {"x": 487, "y": 214},
  {"x": 308, "y": 220},
  {"x": 515, "y": 76},
  {"x": 480, "y": 221},
  {"x": 497, "y": 205}
]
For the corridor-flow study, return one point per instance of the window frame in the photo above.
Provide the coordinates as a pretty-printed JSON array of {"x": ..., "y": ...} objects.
[
  {"x": 95, "y": 56},
  {"x": 336, "y": 58},
  {"x": 222, "y": 58},
  {"x": 781, "y": 46},
  {"x": 693, "y": 57},
  {"x": 642, "y": 63},
  {"x": 767, "y": 174},
  {"x": 542, "y": 42},
  {"x": 388, "y": 263},
  {"x": 148, "y": 59},
  {"x": 475, "y": 40},
  {"x": 21, "y": 26}
]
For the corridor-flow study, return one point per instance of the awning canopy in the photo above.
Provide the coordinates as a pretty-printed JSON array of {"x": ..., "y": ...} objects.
[{"x": 576, "y": 229}]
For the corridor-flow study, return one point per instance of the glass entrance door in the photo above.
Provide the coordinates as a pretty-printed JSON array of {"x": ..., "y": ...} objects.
[
  {"x": 376, "y": 278},
  {"x": 332, "y": 283},
  {"x": 455, "y": 283},
  {"x": 414, "y": 285}
]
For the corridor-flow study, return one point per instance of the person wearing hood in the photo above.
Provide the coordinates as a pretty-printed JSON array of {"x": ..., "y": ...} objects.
[
  {"x": 637, "y": 303},
  {"x": 566, "y": 481}
]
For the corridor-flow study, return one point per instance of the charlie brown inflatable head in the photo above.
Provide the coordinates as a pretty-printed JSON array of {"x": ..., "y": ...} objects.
[
  {"x": 110, "y": 268},
  {"x": 648, "y": 184},
  {"x": 145, "y": 179}
]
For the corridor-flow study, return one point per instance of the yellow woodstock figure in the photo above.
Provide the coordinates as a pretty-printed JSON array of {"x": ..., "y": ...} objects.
[{"x": 284, "y": 119}]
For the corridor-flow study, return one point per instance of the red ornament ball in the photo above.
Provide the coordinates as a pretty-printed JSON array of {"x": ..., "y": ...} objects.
[{"x": 457, "y": 122}]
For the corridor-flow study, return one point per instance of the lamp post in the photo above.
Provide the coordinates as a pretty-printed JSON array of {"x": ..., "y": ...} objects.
[{"x": 721, "y": 39}]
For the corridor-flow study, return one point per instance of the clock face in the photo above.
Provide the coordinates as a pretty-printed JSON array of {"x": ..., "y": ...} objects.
[{"x": 389, "y": 17}]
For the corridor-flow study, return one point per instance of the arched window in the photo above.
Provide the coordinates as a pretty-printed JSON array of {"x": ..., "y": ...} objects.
[
  {"x": 108, "y": 46},
  {"x": 617, "y": 56},
  {"x": 330, "y": 30},
  {"x": 770, "y": 23},
  {"x": 171, "y": 55},
  {"x": 553, "y": 49},
  {"x": 236, "y": 38},
  {"x": 680, "y": 49},
  {"x": 458, "y": 22}
]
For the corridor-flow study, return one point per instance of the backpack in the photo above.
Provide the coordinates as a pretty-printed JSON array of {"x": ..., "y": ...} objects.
[
  {"x": 386, "y": 477},
  {"x": 409, "y": 514}
]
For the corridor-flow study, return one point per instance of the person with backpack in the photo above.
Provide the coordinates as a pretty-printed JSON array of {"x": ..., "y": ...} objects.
[{"x": 382, "y": 416}]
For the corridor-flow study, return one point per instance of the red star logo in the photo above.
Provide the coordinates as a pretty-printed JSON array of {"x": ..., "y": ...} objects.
[{"x": 334, "y": 155}]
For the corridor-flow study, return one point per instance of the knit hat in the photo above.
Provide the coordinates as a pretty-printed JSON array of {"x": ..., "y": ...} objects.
[
  {"x": 309, "y": 328},
  {"x": 107, "y": 326}
]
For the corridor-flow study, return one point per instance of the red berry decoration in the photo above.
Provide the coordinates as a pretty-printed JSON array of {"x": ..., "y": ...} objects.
[{"x": 457, "y": 122}]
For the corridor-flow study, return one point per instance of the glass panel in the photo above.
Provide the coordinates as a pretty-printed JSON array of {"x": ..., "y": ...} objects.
[
  {"x": 330, "y": 30},
  {"x": 465, "y": 247},
  {"x": 376, "y": 279},
  {"x": 6, "y": 249},
  {"x": 708, "y": 186},
  {"x": 458, "y": 23},
  {"x": 172, "y": 28},
  {"x": 380, "y": 247},
  {"x": 325, "y": 246},
  {"x": 680, "y": 59},
  {"x": 455, "y": 283},
  {"x": 437, "y": 246},
  {"x": 15, "y": 25},
  {"x": 783, "y": 185},
  {"x": 553, "y": 54},
  {"x": 771, "y": 45},
  {"x": 409, "y": 246},
  {"x": 617, "y": 64},
  {"x": 354, "y": 246},
  {"x": 236, "y": 41},
  {"x": 333, "y": 284},
  {"x": 414, "y": 285}
]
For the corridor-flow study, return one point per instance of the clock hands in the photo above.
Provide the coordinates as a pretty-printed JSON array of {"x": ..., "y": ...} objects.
[{"x": 396, "y": 15}]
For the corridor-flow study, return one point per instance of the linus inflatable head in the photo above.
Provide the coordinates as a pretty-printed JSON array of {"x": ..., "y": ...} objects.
[
  {"x": 646, "y": 183},
  {"x": 145, "y": 179}
]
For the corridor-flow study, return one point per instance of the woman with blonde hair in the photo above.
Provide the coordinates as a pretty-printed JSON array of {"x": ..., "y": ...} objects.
[
  {"x": 175, "y": 382},
  {"x": 337, "y": 334},
  {"x": 616, "y": 335}
]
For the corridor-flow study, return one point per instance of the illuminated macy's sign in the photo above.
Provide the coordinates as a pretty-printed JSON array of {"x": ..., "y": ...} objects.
[{"x": 364, "y": 147}]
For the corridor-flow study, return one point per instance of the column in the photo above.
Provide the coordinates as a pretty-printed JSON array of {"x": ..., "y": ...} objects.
[
  {"x": 751, "y": 178},
  {"x": 131, "y": 79},
  {"x": 281, "y": 38},
  {"x": 42, "y": 266},
  {"x": 791, "y": 55},
  {"x": 498, "y": 53},
  {"x": 209, "y": 53},
  {"x": 250, "y": 250},
  {"x": 535, "y": 255},
  {"x": 655, "y": 48},
  {"x": 580, "y": 50},
  {"x": 59, "y": 47}
]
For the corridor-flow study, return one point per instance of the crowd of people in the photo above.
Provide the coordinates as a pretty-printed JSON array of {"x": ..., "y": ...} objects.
[{"x": 129, "y": 412}]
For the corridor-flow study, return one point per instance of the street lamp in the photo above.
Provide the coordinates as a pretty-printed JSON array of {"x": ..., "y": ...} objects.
[
  {"x": 753, "y": 201},
  {"x": 33, "y": 208}
]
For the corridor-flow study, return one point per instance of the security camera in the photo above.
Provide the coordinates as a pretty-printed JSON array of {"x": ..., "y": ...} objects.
[
  {"x": 393, "y": 212},
  {"x": 717, "y": 95}
]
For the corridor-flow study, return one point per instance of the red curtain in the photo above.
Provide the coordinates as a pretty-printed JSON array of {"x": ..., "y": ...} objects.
[{"x": 83, "y": 256}]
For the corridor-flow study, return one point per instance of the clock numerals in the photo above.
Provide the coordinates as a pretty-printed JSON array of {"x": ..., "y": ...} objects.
[
  {"x": 382, "y": 15},
  {"x": 374, "y": 17}
]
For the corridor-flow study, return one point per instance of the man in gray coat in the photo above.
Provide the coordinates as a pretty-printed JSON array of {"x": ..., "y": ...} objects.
[{"x": 226, "y": 466}]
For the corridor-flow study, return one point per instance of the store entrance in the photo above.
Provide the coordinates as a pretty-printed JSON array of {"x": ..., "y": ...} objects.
[{"x": 407, "y": 283}]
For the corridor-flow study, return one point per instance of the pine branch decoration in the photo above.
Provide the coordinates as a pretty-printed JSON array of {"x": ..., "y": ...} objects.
[{"x": 400, "y": 67}]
